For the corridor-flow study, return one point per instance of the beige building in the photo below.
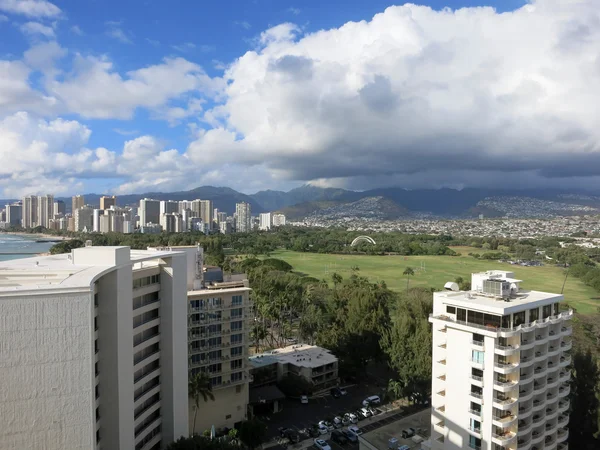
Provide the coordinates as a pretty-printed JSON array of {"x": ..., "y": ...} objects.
[
  {"x": 106, "y": 202},
  {"x": 77, "y": 201}
]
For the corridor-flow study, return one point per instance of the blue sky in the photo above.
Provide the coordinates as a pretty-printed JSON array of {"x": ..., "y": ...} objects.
[{"x": 155, "y": 95}]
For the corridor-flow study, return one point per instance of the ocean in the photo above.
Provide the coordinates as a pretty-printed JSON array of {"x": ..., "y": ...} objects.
[{"x": 14, "y": 246}]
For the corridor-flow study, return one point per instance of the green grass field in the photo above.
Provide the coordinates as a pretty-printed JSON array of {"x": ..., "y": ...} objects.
[{"x": 437, "y": 271}]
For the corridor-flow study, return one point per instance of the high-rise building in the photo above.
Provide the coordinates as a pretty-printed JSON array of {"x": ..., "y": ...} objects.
[
  {"x": 45, "y": 210},
  {"x": 215, "y": 215},
  {"x": 149, "y": 211},
  {"x": 14, "y": 214},
  {"x": 59, "y": 208},
  {"x": 171, "y": 223},
  {"x": 221, "y": 217},
  {"x": 92, "y": 355},
  {"x": 278, "y": 220},
  {"x": 168, "y": 207},
  {"x": 243, "y": 218},
  {"x": 30, "y": 211},
  {"x": 206, "y": 212},
  {"x": 106, "y": 202},
  {"x": 219, "y": 321},
  {"x": 84, "y": 219},
  {"x": 500, "y": 357},
  {"x": 96, "y": 220},
  {"x": 77, "y": 201},
  {"x": 265, "y": 221}
]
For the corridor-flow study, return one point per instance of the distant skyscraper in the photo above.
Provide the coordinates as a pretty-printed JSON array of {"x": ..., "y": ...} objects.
[
  {"x": 83, "y": 219},
  {"x": 265, "y": 221},
  {"x": 106, "y": 202},
  {"x": 59, "y": 208},
  {"x": 221, "y": 217},
  {"x": 30, "y": 211},
  {"x": 45, "y": 210},
  {"x": 149, "y": 211},
  {"x": 206, "y": 212},
  {"x": 77, "y": 201},
  {"x": 14, "y": 214},
  {"x": 243, "y": 222},
  {"x": 168, "y": 207}
]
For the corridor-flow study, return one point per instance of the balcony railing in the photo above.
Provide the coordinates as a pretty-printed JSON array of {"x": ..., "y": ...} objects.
[
  {"x": 475, "y": 412},
  {"x": 477, "y": 343},
  {"x": 475, "y": 430},
  {"x": 476, "y": 395}
]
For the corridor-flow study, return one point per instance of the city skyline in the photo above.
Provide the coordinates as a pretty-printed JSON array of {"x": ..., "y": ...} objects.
[{"x": 352, "y": 94}]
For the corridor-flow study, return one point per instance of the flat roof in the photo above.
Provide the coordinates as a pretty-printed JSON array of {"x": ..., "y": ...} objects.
[
  {"x": 475, "y": 300},
  {"x": 60, "y": 271},
  {"x": 302, "y": 355},
  {"x": 380, "y": 437},
  {"x": 213, "y": 292},
  {"x": 262, "y": 360}
]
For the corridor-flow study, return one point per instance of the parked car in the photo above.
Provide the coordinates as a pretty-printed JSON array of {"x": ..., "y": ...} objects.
[
  {"x": 314, "y": 430},
  {"x": 322, "y": 428},
  {"x": 339, "y": 437},
  {"x": 327, "y": 424},
  {"x": 350, "y": 436},
  {"x": 304, "y": 399},
  {"x": 409, "y": 432},
  {"x": 372, "y": 400},
  {"x": 322, "y": 445},
  {"x": 353, "y": 417},
  {"x": 354, "y": 429},
  {"x": 305, "y": 433},
  {"x": 374, "y": 411},
  {"x": 346, "y": 420},
  {"x": 290, "y": 434},
  {"x": 365, "y": 412},
  {"x": 337, "y": 421}
]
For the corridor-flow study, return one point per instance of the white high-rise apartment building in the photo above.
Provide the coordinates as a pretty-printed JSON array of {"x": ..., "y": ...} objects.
[
  {"x": 168, "y": 207},
  {"x": 149, "y": 211},
  {"x": 278, "y": 220},
  {"x": 206, "y": 212},
  {"x": 265, "y": 221},
  {"x": 500, "y": 378},
  {"x": 94, "y": 350},
  {"x": 243, "y": 218},
  {"x": 77, "y": 201},
  {"x": 14, "y": 214},
  {"x": 84, "y": 219}
]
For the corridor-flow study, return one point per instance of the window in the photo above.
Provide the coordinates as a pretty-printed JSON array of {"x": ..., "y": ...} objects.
[
  {"x": 475, "y": 425},
  {"x": 450, "y": 309},
  {"x": 95, "y": 299},
  {"x": 477, "y": 373},
  {"x": 236, "y": 300},
  {"x": 215, "y": 354},
  {"x": 216, "y": 381},
  {"x": 477, "y": 356},
  {"x": 236, "y": 326},
  {"x": 237, "y": 351},
  {"x": 236, "y": 376},
  {"x": 475, "y": 407},
  {"x": 213, "y": 342},
  {"x": 214, "y": 368},
  {"x": 228, "y": 416},
  {"x": 214, "y": 328},
  {"x": 146, "y": 281},
  {"x": 506, "y": 321},
  {"x": 518, "y": 318},
  {"x": 236, "y": 338},
  {"x": 546, "y": 311},
  {"x": 235, "y": 313},
  {"x": 237, "y": 364},
  {"x": 474, "y": 442},
  {"x": 144, "y": 300},
  {"x": 478, "y": 337},
  {"x": 95, "y": 323},
  {"x": 556, "y": 308},
  {"x": 461, "y": 314},
  {"x": 534, "y": 314},
  {"x": 196, "y": 359}
]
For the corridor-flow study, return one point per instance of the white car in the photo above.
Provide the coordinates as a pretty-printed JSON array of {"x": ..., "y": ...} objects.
[
  {"x": 323, "y": 428},
  {"x": 322, "y": 445},
  {"x": 365, "y": 412},
  {"x": 304, "y": 399},
  {"x": 337, "y": 421},
  {"x": 353, "y": 417},
  {"x": 355, "y": 430},
  {"x": 327, "y": 424}
]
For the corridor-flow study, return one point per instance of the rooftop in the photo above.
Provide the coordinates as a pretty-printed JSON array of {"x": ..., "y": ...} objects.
[
  {"x": 302, "y": 355},
  {"x": 68, "y": 270},
  {"x": 475, "y": 300},
  {"x": 262, "y": 360},
  {"x": 380, "y": 437}
]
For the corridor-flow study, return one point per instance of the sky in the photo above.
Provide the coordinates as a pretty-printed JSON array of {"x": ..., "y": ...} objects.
[{"x": 137, "y": 96}]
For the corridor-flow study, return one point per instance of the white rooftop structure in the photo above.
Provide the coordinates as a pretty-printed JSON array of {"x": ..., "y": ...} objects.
[{"x": 303, "y": 355}]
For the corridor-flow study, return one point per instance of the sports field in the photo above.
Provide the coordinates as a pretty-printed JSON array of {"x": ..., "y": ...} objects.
[{"x": 434, "y": 271}]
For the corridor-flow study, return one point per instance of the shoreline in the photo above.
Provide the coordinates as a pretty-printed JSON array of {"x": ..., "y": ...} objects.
[{"x": 36, "y": 235}]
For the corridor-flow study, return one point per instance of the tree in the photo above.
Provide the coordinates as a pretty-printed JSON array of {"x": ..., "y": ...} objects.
[
  {"x": 408, "y": 272},
  {"x": 199, "y": 387},
  {"x": 252, "y": 433},
  {"x": 584, "y": 403}
]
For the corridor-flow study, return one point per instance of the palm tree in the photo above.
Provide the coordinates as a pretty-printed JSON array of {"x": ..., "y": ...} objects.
[
  {"x": 408, "y": 272},
  {"x": 199, "y": 386}
]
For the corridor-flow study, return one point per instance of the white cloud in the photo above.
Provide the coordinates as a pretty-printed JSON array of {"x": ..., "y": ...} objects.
[
  {"x": 36, "y": 28},
  {"x": 30, "y": 8},
  {"x": 16, "y": 93},
  {"x": 43, "y": 56},
  {"x": 185, "y": 47},
  {"x": 153, "y": 42},
  {"x": 416, "y": 92},
  {"x": 85, "y": 91},
  {"x": 244, "y": 24},
  {"x": 3, "y": 18},
  {"x": 76, "y": 29},
  {"x": 294, "y": 11},
  {"x": 119, "y": 35}
]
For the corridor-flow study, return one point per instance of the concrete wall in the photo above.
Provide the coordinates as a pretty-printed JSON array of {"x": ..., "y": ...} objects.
[
  {"x": 46, "y": 391},
  {"x": 227, "y": 402},
  {"x": 174, "y": 358}
]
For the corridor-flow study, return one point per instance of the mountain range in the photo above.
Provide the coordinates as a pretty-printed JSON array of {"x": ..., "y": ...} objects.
[{"x": 390, "y": 202}]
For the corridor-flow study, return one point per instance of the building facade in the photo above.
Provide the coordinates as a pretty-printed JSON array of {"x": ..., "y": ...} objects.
[
  {"x": 14, "y": 214},
  {"x": 106, "y": 202},
  {"x": 77, "y": 201},
  {"x": 92, "y": 351},
  {"x": 84, "y": 219},
  {"x": 265, "y": 221},
  {"x": 149, "y": 211},
  {"x": 59, "y": 208},
  {"x": 500, "y": 377},
  {"x": 278, "y": 220},
  {"x": 243, "y": 217}
]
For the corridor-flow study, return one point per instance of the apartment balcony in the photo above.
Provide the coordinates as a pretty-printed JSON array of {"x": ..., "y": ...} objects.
[
  {"x": 442, "y": 377},
  {"x": 540, "y": 355},
  {"x": 505, "y": 368},
  {"x": 562, "y": 435},
  {"x": 505, "y": 386},
  {"x": 526, "y": 395},
  {"x": 525, "y": 411},
  {"x": 477, "y": 381},
  {"x": 540, "y": 372},
  {"x": 506, "y": 350},
  {"x": 479, "y": 345},
  {"x": 527, "y": 360},
  {"x": 441, "y": 409},
  {"x": 475, "y": 412},
  {"x": 561, "y": 446},
  {"x": 504, "y": 404},
  {"x": 550, "y": 441},
  {"x": 475, "y": 431},
  {"x": 442, "y": 393},
  {"x": 552, "y": 382},
  {"x": 539, "y": 388},
  {"x": 552, "y": 367},
  {"x": 553, "y": 350},
  {"x": 440, "y": 439},
  {"x": 504, "y": 420},
  {"x": 526, "y": 377},
  {"x": 477, "y": 396},
  {"x": 538, "y": 404},
  {"x": 566, "y": 330},
  {"x": 540, "y": 339},
  {"x": 442, "y": 346},
  {"x": 562, "y": 421},
  {"x": 565, "y": 361},
  {"x": 503, "y": 439},
  {"x": 527, "y": 344},
  {"x": 564, "y": 376},
  {"x": 564, "y": 405},
  {"x": 551, "y": 413},
  {"x": 537, "y": 436},
  {"x": 537, "y": 419},
  {"x": 441, "y": 424},
  {"x": 551, "y": 397},
  {"x": 566, "y": 315},
  {"x": 525, "y": 428},
  {"x": 564, "y": 391},
  {"x": 566, "y": 346},
  {"x": 476, "y": 363},
  {"x": 524, "y": 443}
]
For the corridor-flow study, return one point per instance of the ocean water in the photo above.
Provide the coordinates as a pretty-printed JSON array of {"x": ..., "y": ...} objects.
[{"x": 14, "y": 246}]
